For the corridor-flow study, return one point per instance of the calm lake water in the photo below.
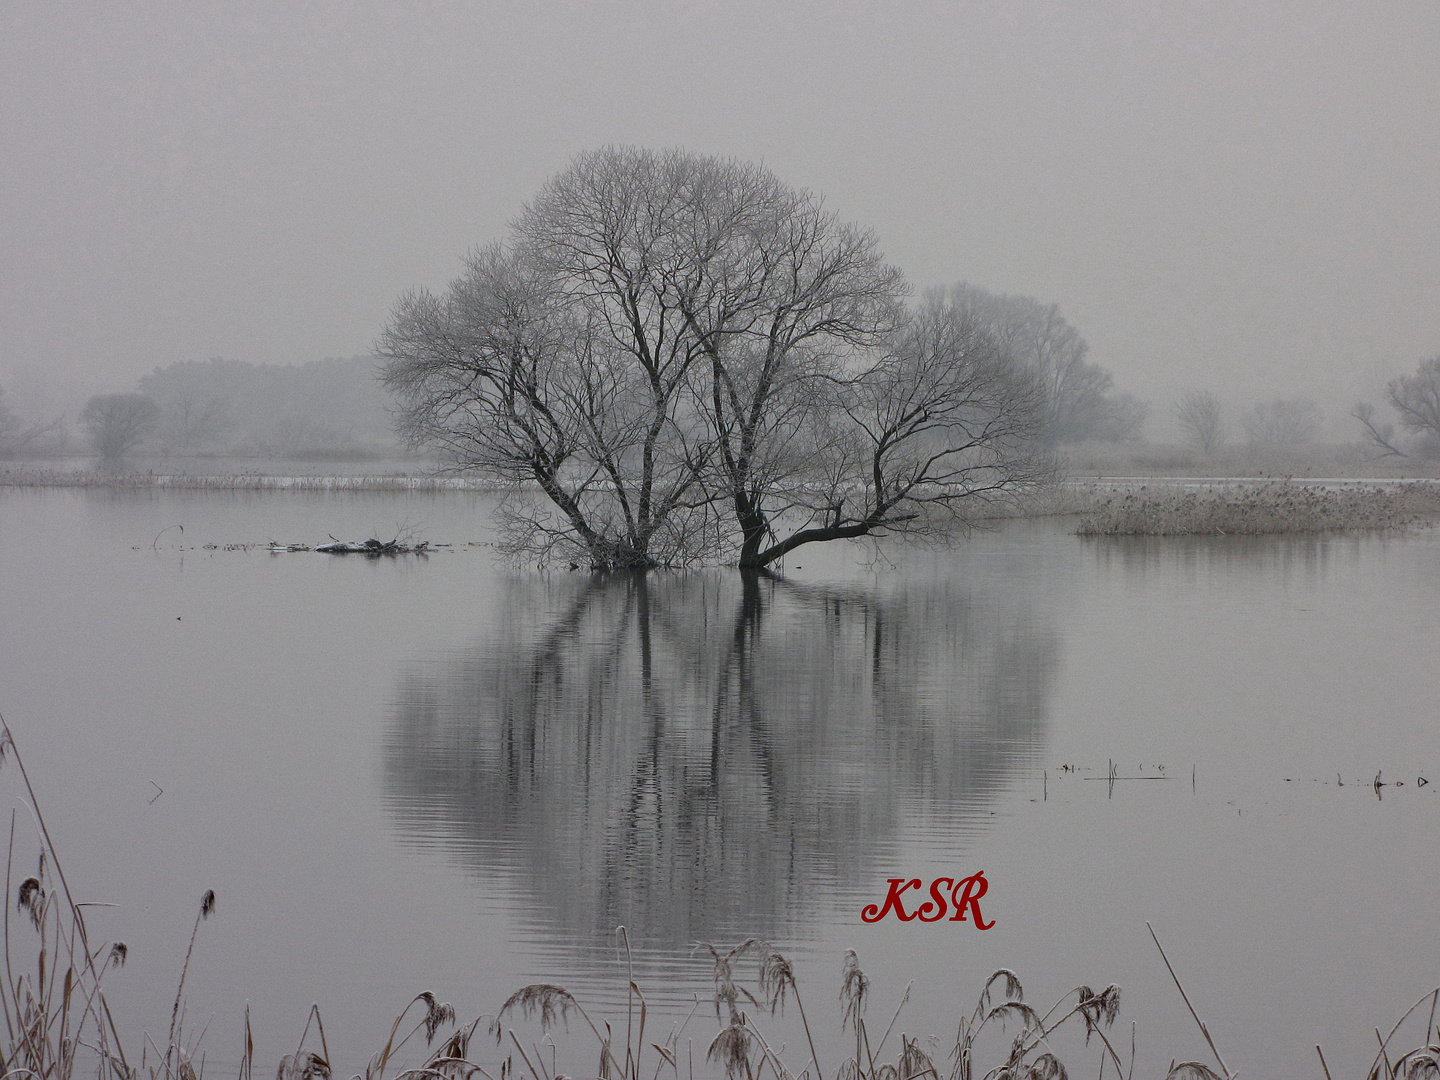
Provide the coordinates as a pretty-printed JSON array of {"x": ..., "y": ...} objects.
[{"x": 454, "y": 774}]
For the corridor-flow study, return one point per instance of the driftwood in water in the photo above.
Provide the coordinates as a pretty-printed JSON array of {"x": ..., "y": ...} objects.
[{"x": 374, "y": 548}]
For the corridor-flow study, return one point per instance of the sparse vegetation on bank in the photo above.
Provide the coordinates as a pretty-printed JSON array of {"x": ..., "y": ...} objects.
[{"x": 1254, "y": 509}]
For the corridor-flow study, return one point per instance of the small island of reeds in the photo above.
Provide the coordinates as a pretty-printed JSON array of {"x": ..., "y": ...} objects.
[{"x": 1258, "y": 508}]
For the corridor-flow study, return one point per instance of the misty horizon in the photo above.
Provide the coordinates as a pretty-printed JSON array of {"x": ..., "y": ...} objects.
[{"x": 1237, "y": 199}]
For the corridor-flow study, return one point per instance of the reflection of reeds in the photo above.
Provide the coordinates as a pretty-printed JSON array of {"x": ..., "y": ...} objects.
[{"x": 1281, "y": 506}]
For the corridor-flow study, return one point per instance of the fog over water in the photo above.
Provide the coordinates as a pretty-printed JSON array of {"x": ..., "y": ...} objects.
[{"x": 1228, "y": 195}]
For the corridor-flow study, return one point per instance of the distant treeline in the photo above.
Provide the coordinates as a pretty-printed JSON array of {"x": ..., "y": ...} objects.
[{"x": 324, "y": 408}]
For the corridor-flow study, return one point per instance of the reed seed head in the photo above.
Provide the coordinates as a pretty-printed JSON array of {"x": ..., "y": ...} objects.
[
  {"x": 731, "y": 1048},
  {"x": 306, "y": 1065},
  {"x": 1420, "y": 1064},
  {"x": 549, "y": 1001},
  {"x": 437, "y": 1013},
  {"x": 727, "y": 991},
  {"x": 1192, "y": 1070},
  {"x": 1097, "y": 1008},
  {"x": 853, "y": 988},
  {"x": 1046, "y": 1067},
  {"x": 31, "y": 899},
  {"x": 915, "y": 1062},
  {"x": 1017, "y": 1010},
  {"x": 777, "y": 978},
  {"x": 458, "y": 1045},
  {"x": 1013, "y": 990}
]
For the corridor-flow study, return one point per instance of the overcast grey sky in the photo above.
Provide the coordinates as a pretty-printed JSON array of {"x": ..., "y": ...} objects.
[{"x": 1243, "y": 196}]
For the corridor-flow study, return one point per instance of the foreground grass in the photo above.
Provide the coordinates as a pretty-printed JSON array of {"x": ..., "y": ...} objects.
[
  {"x": 58, "y": 1024},
  {"x": 1254, "y": 509}
]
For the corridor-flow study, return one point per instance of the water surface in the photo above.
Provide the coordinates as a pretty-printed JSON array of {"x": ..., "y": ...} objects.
[{"x": 457, "y": 774}]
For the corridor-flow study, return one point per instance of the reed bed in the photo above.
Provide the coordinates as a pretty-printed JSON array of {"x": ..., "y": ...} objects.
[
  {"x": 1257, "y": 509},
  {"x": 58, "y": 1023}
]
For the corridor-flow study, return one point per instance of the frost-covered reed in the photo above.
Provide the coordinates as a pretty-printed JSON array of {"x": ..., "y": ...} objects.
[{"x": 1236, "y": 508}]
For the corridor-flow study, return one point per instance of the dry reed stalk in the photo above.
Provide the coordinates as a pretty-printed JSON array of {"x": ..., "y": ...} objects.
[
  {"x": 48, "y": 1015},
  {"x": 1205, "y": 1031},
  {"x": 207, "y": 907},
  {"x": 1423, "y": 1061}
]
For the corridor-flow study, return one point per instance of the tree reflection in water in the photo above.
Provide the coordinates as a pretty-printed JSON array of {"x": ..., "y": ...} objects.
[{"x": 708, "y": 755}]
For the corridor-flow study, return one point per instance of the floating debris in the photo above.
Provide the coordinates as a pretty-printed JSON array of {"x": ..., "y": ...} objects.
[{"x": 373, "y": 548}]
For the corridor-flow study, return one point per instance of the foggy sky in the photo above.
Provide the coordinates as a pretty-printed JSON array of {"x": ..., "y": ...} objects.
[{"x": 1236, "y": 195}]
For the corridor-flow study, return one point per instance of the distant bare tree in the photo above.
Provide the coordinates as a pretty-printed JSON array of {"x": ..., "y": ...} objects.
[
  {"x": 1379, "y": 434},
  {"x": 118, "y": 423},
  {"x": 20, "y": 438},
  {"x": 1281, "y": 424},
  {"x": 1080, "y": 395},
  {"x": 691, "y": 359},
  {"x": 190, "y": 419},
  {"x": 9, "y": 424},
  {"x": 1417, "y": 399},
  {"x": 1199, "y": 415}
]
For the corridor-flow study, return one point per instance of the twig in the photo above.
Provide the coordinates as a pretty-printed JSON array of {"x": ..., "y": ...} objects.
[{"x": 162, "y": 532}]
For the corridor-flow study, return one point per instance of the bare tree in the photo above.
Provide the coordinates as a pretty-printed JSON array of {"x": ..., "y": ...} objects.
[
  {"x": 1417, "y": 399},
  {"x": 1379, "y": 434},
  {"x": 18, "y": 438},
  {"x": 684, "y": 355},
  {"x": 1081, "y": 399},
  {"x": 531, "y": 372},
  {"x": 1199, "y": 415},
  {"x": 9, "y": 422},
  {"x": 1281, "y": 424},
  {"x": 190, "y": 419},
  {"x": 942, "y": 425},
  {"x": 118, "y": 423}
]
